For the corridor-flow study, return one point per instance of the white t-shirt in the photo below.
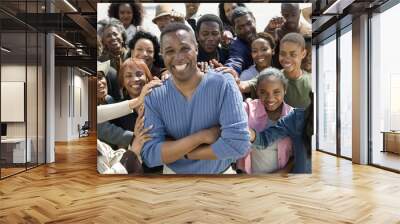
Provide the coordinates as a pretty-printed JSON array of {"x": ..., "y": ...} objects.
[{"x": 265, "y": 160}]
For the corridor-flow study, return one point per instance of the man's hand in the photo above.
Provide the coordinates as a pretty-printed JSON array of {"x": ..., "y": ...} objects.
[
  {"x": 203, "y": 66},
  {"x": 227, "y": 38},
  {"x": 210, "y": 135},
  {"x": 215, "y": 64},
  {"x": 252, "y": 134},
  {"x": 275, "y": 23},
  {"x": 231, "y": 71},
  {"x": 165, "y": 75}
]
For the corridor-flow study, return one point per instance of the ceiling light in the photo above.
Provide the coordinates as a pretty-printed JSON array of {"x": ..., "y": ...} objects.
[
  {"x": 65, "y": 41},
  {"x": 5, "y": 50},
  {"x": 337, "y": 7},
  {"x": 84, "y": 71},
  {"x": 71, "y": 6}
]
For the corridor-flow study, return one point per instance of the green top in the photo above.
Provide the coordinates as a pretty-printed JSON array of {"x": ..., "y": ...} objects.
[{"x": 297, "y": 94}]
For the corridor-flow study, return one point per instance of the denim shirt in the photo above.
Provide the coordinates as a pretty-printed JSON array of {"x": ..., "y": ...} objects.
[
  {"x": 293, "y": 126},
  {"x": 239, "y": 56}
]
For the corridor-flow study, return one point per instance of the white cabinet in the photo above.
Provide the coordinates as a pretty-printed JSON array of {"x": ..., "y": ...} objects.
[{"x": 15, "y": 148}]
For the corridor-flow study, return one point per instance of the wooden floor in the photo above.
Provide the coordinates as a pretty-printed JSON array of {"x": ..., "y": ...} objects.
[
  {"x": 5, "y": 172},
  {"x": 71, "y": 191},
  {"x": 386, "y": 159},
  {"x": 10, "y": 171}
]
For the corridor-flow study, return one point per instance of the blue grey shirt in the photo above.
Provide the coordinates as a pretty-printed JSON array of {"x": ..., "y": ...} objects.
[{"x": 216, "y": 101}]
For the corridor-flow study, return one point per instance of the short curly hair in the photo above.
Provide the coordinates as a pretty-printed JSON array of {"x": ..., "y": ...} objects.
[
  {"x": 267, "y": 37},
  {"x": 209, "y": 18},
  {"x": 137, "y": 9},
  {"x": 149, "y": 36}
]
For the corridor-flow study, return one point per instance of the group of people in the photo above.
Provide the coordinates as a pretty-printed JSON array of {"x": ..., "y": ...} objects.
[{"x": 210, "y": 95}]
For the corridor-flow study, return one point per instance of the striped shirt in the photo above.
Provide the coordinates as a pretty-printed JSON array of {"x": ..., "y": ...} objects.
[{"x": 216, "y": 101}]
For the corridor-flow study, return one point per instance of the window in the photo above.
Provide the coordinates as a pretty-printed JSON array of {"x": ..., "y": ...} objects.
[
  {"x": 346, "y": 92},
  {"x": 327, "y": 96},
  {"x": 385, "y": 86}
]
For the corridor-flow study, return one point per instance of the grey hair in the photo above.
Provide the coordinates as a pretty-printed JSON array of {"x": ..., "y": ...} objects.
[
  {"x": 275, "y": 73},
  {"x": 104, "y": 24}
]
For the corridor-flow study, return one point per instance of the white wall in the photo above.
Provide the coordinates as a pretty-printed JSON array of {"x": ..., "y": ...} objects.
[
  {"x": 14, "y": 73},
  {"x": 80, "y": 93},
  {"x": 69, "y": 85},
  {"x": 61, "y": 104}
]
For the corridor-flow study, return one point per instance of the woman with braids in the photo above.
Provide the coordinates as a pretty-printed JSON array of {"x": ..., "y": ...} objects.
[{"x": 131, "y": 16}]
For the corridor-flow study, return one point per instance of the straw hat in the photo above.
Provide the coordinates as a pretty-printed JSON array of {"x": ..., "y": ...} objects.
[
  {"x": 167, "y": 10},
  {"x": 162, "y": 10},
  {"x": 103, "y": 67}
]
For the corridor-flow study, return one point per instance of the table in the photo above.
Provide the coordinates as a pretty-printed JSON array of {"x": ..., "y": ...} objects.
[
  {"x": 13, "y": 150},
  {"x": 391, "y": 141}
]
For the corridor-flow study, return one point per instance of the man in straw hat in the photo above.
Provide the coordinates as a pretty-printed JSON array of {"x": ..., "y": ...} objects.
[{"x": 166, "y": 15}]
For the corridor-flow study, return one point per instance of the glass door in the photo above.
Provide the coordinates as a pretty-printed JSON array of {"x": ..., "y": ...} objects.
[
  {"x": 346, "y": 92},
  {"x": 385, "y": 90},
  {"x": 327, "y": 96},
  {"x": 22, "y": 88}
]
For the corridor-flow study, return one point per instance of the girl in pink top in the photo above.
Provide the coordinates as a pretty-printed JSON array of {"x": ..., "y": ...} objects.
[{"x": 262, "y": 113}]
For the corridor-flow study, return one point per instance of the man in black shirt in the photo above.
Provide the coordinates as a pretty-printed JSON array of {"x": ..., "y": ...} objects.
[{"x": 209, "y": 31}]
